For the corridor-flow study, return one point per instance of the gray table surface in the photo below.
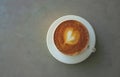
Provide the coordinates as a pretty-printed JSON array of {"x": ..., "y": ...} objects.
[{"x": 23, "y": 28}]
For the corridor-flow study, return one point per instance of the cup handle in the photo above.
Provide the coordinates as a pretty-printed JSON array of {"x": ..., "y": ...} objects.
[{"x": 93, "y": 50}]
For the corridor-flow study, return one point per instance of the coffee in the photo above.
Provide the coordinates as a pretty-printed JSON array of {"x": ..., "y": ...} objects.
[{"x": 71, "y": 37}]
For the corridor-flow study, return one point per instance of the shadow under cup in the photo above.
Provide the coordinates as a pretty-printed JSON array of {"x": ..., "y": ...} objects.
[{"x": 71, "y": 37}]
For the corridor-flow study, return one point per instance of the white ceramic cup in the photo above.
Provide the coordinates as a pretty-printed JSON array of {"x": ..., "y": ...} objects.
[{"x": 66, "y": 58}]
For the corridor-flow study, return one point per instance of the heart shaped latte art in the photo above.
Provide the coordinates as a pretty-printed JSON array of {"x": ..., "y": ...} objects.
[{"x": 71, "y": 36}]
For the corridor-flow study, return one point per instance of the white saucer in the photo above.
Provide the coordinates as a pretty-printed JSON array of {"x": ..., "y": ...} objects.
[{"x": 65, "y": 58}]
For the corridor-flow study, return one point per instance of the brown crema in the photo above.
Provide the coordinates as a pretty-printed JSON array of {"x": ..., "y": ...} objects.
[{"x": 71, "y": 37}]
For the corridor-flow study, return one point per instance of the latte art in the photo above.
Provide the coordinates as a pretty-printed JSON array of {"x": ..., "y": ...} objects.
[{"x": 71, "y": 37}]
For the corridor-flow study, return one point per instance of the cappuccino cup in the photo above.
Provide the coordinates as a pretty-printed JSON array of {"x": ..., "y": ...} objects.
[{"x": 71, "y": 39}]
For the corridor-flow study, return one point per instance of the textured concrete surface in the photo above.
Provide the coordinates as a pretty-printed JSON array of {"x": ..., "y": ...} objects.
[{"x": 23, "y": 29}]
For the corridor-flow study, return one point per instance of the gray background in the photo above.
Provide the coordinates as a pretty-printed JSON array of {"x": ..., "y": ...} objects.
[{"x": 23, "y": 29}]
